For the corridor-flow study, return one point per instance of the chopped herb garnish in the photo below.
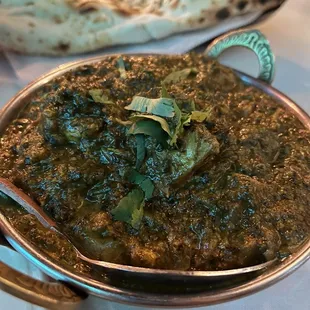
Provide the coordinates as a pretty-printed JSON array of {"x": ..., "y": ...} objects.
[
  {"x": 163, "y": 123},
  {"x": 178, "y": 127},
  {"x": 164, "y": 93},
  {"x": 201, "y": 116},
  {"x": 160, "y": 106},
  {"x": 130, "y": 208},
  {"x": 149, "y": 128},
  {"x": 144, "y": 183},
  {"x": 140, "y": 141},
  {"x": 184, "y": 121}
]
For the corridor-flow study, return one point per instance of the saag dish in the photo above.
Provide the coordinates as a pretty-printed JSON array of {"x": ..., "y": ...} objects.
[{"x": 167, "y": 162}]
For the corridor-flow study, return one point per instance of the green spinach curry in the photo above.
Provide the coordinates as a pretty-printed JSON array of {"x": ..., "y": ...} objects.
[{"x": 167, "y": 162}]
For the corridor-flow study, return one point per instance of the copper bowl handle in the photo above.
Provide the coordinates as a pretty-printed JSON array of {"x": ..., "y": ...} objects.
[
  {"x": 51, "y": 295},
  {"x": 251, "y": 39}
]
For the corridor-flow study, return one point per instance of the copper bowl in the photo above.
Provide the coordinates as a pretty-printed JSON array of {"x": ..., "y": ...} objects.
[{"x": 187, "y": 291}]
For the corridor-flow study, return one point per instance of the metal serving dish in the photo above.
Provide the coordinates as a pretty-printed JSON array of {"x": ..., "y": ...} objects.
[{"x": 196, "y": 288}]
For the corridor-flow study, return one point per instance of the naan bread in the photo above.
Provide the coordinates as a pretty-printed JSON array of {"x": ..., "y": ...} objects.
[{"x": 63, "y": 27}]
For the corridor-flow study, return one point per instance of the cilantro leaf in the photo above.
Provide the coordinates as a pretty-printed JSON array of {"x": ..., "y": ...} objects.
[
  {"x": 185, "y": 106},
  {"x": 130, "y": 208},
  {"x": 99, "y": 96},
  {"x": 144, "y": 183},
  {"x": 181, "y": 120},
  {"x": 179, "y": 127},
  {"x": 121, "y": 68},
  {"x": 149, "y": 128},
  {"x": 163, "y": 123},
  {"x": 137, "y": 216},
  {"x": 186, "y": 119},
  {"x": 201, "y": 116},
  {"x": 148, "y": 187},
  {"x": 164, "y": 93},
  {"x": 160, "y": 106},
  {"x": 140, "y": 142},
  {"x": 177, "y": 76}
]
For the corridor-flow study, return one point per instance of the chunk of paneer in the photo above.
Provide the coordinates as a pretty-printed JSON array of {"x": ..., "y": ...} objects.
[{"x": 99, "y": 236}]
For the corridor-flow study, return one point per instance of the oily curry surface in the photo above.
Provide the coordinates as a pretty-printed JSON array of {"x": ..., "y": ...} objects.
[{"x": 167, "y": 162}]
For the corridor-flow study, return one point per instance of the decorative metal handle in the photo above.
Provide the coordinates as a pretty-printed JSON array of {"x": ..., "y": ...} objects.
[
  {"x": 51, "y": 295},
  {"x": 251, "y": 39}
]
